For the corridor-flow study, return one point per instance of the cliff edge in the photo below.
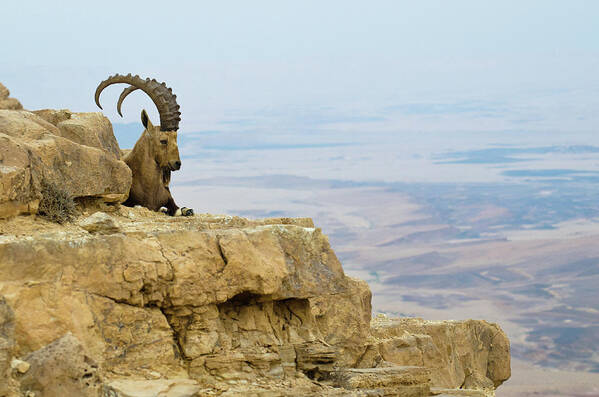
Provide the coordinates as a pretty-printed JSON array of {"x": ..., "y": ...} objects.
[{"x": 129, "y": 302}]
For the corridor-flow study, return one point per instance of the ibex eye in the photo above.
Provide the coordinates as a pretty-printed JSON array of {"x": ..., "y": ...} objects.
[{"x": 163, "y": 141}]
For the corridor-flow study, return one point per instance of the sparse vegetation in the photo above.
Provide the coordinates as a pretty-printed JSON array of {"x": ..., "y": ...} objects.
[{"x": 56, "y": 204}]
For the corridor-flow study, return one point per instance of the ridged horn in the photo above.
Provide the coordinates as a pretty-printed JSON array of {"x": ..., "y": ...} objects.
[
  {"x": 161, "y": 95},
  {"x": 124, "y": 94}
]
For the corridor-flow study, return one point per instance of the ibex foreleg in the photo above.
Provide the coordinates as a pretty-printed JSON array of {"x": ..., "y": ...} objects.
[{"x": 173, "y": 209}]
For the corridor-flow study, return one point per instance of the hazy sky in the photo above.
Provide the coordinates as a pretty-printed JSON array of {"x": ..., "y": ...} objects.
[{"x": 267, "y": 59}]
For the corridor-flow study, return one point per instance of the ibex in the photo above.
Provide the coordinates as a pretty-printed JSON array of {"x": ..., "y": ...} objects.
[{"x": 155, "y": 154}]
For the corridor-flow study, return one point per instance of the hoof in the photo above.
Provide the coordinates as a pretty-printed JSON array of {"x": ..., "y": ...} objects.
[
  {"x": 163, "y": 210},
  {"x": 186, "y": 211}
]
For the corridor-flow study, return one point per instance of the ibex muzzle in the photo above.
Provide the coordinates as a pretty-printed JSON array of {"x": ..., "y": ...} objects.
[{"x": 156, "y": 153}]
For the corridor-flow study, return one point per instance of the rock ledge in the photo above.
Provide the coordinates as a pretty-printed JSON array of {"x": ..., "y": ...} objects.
[{"x": 215, "y": 305}]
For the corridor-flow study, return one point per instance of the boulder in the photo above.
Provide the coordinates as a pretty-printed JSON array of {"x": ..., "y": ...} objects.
[
  {"x": 61, "y": 369},
  {"x": 100, "y": 222},
  {"x": 88, "y": 129},
  {"x": 19, "y": 365},
  {"x": 6, "y": 102},
  {"x": 33, "y": 151},
  {"x": 473, "y": 354}
]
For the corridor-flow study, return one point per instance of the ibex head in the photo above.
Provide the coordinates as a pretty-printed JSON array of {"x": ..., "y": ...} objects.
[
  {"x": 164, "y": 147},
  {"x": 163, "y": 138}
]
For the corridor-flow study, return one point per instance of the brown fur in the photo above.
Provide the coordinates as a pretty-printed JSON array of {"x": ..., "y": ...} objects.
[{"x": 151, "y": 160}]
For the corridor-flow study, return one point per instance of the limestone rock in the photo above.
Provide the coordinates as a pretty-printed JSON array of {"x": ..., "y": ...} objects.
[
  {"x": 4, "y": 92},
  {"x": 144, "y": 388},
  {"x": 392, "y": 380},
  {"x": 54, "y": 116},
  {"x": 316, "y": 359},
  {"x": 441, "y": 392},
  {"x": 351, "y": 308},
  {"x": 7, "y": 345},
  {"x": 101, "y": 223},
  {"x": 474, "y": 354},
  {"x": 216, "y": 305},
  {"x": 62, "y": 369},
  {"x": 33, "y": 150},
  {"x": 11, "y": 104},
  {"x": 20, "y": 365},
  {"x": 6, "y": 102},
  {"x": 89, "y": 129},
  {"x": 226, "y": 292}
]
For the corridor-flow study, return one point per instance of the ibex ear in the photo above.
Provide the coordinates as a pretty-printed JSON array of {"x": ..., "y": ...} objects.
[{"x": 145, "y": 120}]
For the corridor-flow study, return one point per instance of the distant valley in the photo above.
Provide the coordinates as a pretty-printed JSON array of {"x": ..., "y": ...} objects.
[{"x": 490, "y": 226}]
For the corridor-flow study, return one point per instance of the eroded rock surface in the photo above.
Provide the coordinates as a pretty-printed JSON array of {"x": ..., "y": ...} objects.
[
  {"x": 6, "y": 102},
  {"x": 88, "y": 129},
  {"x": 61, "y": 369},
  {"x": 8, "y": 384},
  {"x": 223, "y": 302},
  {"x": 100, "y": 222},
  {"x": 80, "y": 155},
  {"x": 460, "y": 354}
]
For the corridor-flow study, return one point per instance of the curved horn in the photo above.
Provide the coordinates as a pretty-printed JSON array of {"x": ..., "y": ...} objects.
[
  {"x": 124, "y": 94},
  {"x": 161, "y": 95}
]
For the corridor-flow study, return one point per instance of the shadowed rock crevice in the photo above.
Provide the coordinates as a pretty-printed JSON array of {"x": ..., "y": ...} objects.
[{"x": 177, "y": 348}]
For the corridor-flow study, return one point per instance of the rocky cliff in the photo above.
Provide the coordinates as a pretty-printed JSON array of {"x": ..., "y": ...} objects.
[{"x": 128, "y": 302}]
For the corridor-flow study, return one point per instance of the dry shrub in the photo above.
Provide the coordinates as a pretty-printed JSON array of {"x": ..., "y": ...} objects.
[{"x": 56, "y": 204}]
